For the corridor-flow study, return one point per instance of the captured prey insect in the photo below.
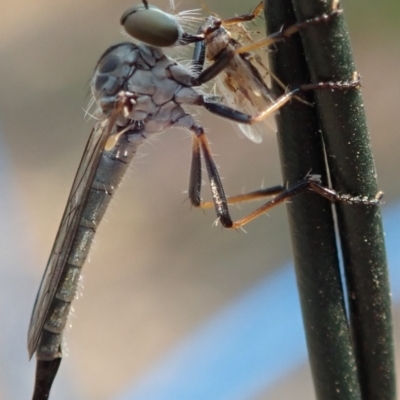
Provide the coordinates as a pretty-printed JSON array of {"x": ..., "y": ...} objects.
[
  {"x": 139, "y": 91},
  {"x": 242, "y": 83}
]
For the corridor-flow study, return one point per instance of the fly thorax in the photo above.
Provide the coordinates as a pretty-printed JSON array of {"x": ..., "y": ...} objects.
[
  {"x": 114, "y": 68},
  {"x": 143, "y": 73}
]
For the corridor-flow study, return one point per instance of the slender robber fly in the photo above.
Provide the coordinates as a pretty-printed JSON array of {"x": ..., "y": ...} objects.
[{"x": 138, "y": 91}]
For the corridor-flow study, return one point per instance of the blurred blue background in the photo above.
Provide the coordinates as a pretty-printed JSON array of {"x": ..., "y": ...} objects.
[{"x": 172, "y": 307}]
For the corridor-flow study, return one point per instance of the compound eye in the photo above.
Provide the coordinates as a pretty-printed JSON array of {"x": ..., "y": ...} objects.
[{"x": 151, "y": 26}]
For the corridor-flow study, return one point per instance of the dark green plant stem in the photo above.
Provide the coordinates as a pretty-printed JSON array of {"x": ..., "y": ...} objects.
[
  {"x": 352, "y": 169},
  {"x": 312, "y": 226}
]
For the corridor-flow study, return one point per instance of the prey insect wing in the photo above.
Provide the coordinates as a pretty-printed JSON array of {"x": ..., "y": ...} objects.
[
  {"x": 246, "y": 90},
  {"x": 67, "y": 230}
]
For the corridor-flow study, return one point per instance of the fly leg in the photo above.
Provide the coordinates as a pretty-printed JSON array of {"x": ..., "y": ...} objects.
[
  {"x": 220, "y": 201},
  {"x": 311, "y": 183},
  {"x": 200, "y": 145}
]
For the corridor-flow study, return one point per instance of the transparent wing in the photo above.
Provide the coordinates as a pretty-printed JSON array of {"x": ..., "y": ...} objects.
[
  {"x": 238, "y": 101},
  {"x": 68, "y": 227},
  {"x": 244, "y": 88}
]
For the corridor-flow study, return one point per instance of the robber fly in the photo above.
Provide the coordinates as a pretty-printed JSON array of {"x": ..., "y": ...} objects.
[{"x": 138, "y": 91}]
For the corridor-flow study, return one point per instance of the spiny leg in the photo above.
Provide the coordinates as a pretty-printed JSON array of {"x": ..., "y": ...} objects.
[
  {"x": 200, "y": 143},
  {"x": 310, "y": 184},
  {"x": 246, "y": 197}
]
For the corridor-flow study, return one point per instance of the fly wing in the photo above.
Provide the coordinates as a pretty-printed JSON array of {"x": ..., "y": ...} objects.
[{"x": 68, "y": 227}]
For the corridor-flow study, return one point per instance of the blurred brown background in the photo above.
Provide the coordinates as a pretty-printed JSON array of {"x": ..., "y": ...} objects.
[{"x": 158, "y": 269}]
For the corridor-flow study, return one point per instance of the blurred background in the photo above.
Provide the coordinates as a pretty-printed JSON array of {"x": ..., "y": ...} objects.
[{"x": 165, "y": 292}]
